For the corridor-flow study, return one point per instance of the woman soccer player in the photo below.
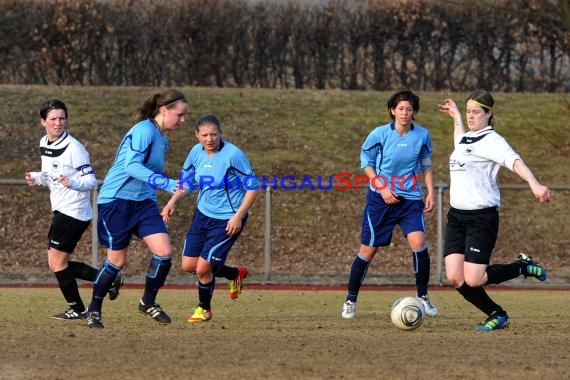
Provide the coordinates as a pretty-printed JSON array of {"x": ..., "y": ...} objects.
[
  {"x": 394, "y": 156},
  {"x": 227, "y": 187},
  {"x": 67, "y": 172},
  {"x": 473, "y": 219},
  {"x": 127, "y": 203}
]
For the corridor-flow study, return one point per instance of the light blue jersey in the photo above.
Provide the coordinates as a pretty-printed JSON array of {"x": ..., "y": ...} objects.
[
  {"x": 222, "y": 179},
  {"x": 139, "y": 162},
  {"x": 398, "y": 160}
]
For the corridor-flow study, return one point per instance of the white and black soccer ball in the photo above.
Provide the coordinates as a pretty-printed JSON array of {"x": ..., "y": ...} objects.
[{"x": 407, "y": 313}]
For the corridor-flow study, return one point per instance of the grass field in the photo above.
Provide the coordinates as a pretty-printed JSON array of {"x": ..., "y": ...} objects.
[{"x": 284, "y": 334}]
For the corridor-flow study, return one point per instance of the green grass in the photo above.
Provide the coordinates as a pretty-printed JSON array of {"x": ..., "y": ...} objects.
[
  {"x": 283, "y": 334},
  {"x": 288, "y": 132}
]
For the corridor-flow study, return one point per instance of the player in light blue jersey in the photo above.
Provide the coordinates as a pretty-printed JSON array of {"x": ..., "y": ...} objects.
[
  {"x": 127, "y": 203},
  {"x": 227, "y": 188},
  {"x": 395, "y": 157}
]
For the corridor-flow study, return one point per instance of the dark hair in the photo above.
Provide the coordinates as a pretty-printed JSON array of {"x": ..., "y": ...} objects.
[
  {"x": 485, "y": 100},
  {"x": 209, "y": 118},
  {"x": 403, "y": 96},
  {"x": 152, "y": 104},
  {"x": 52, "y": 104}
]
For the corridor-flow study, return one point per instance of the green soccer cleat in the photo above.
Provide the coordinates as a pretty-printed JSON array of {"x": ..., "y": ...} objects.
[
  {"x": 530, "y": 268},
  {"x": 494, "y": 322}
]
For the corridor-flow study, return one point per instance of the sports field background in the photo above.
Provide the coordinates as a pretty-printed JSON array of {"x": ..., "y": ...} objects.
[
  {"x": 284, "y": 334},
  {"x": 315, "y": 234}
]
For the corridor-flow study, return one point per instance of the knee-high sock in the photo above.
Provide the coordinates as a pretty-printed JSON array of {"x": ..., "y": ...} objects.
[
  {"x": 421, "y": 262},
  {"x": 225, "y": 271},
  {"x": 102, "y": 283},
  {"x": 68, "y": 287},
  {"x": 480, "y": 299},
  {"x": 205, "y": 294},
  {"x": 498, "y": 273},
  {"x": 358, "y": 271},
  {"x": 82, "y": 271},
  {"x": 155, "y": 276}
]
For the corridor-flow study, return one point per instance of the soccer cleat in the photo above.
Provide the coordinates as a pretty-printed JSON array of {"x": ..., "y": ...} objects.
[
  {"x": 200, "y": 315},
  {"x": 155, "y": 312},
  {"x": 532, "y": 269},
  {"x": 70, "y": 314},
  {"x": 494, "y": 322},
  {"x": 237, "y": 284},
  {"x": 94, "y": 320},
  {"x": 429, "y": 308},
  {"x": 349, "y": 310},
  {"x": 116, "y": 287}
]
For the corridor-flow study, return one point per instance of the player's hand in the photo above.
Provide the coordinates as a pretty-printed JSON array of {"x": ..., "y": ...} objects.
[
  {"x": 429, "y": 203},
  {"x": 63, "y": 180},
  {"x": 450, "y": 108},
  {"x": 29, "y": 179},
  {"x": 542, "y": 193},
  {"x": 167, "y": 212},
  {"x": 234, "y": 225},
  {"x": 389, "y": 196}
]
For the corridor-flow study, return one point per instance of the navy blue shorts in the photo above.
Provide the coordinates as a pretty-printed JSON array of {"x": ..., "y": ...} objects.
[
  {"x": 207, "y": 238},
  {"x": 65, "y": 232},
  {"x": 120, "y": 219},
  {"x": 379, "y": 219}
]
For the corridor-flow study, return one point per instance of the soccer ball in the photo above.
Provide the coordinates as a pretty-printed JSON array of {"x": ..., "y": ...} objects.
[{"x": 407, "y": 313}]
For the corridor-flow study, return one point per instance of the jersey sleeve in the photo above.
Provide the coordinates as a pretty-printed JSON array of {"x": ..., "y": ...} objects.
[
  {"x": 425, "y": 153},
  {"x": 137, "y": 151},
  {"x": 501, "y": 152},
  {"x": 84, "y": 177},
  {"x": 370, "y": 150},
  {"x": 187, "y": 178},
  {"x": 244, "y": 171}
]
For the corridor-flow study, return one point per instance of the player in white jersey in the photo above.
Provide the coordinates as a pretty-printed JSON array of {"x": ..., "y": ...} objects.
[
  {"x": 473, "y": 219},
  {"x": 67, "y": 173}
]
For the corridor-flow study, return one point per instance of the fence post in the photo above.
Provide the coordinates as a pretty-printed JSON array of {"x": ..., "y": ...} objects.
[
  {"x": 268, "y": 262},
  {"x": 439, "y": 268},
  {"x": 94, "y": 236}
]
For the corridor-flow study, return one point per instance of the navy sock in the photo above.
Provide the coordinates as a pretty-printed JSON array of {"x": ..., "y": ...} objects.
[
  {"x": 498, "y": 273},
  {"x": 82, "y": 271},
  {"x": 155, "y": 276},
  {"x": 205, "y": 293},
  {"x": 358, "y": 271},
  {"x": 480, "y": 299},
  {"x": 225, "y": 271},
  {"x": 68, "y": 287},
  {"x": 421, "y": 262},
  {"x": 102, "y": 283}
]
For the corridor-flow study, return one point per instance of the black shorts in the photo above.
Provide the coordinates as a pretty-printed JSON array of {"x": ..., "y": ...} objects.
[
  {"x": 473, "y": 233},
  {"x": 65, "y": 232}
]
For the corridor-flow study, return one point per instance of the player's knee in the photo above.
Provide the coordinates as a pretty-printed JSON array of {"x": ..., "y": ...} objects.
[{"x": 188, "y": 266}]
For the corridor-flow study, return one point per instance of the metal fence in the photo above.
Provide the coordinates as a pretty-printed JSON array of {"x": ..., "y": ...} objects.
[{"x": 441, "y": 189}]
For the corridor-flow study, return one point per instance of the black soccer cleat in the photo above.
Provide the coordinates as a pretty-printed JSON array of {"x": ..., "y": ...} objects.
[
  {"x": 70, "y": 314},
  {"x": 155, "y": 312},
  {"x": 116, "y": 287},
  {"x": 94, "y": 320}
]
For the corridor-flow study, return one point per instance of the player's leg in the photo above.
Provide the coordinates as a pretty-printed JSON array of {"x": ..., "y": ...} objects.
[
  {"x": 214, "y": 253},
  {"x": 158, "y": 269},
  {"x": 64, "y": 234},
  {"x": 358, "y": 270},
  {"x": 376, "y": 231},
  {"x": 206, "y": 286},
  {"x": 114, "y": 227}
]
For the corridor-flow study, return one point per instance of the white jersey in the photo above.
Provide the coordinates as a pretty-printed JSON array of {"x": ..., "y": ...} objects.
[
  {"x": 474, "y": 166},
  {"x": 66, "y": 156}
]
